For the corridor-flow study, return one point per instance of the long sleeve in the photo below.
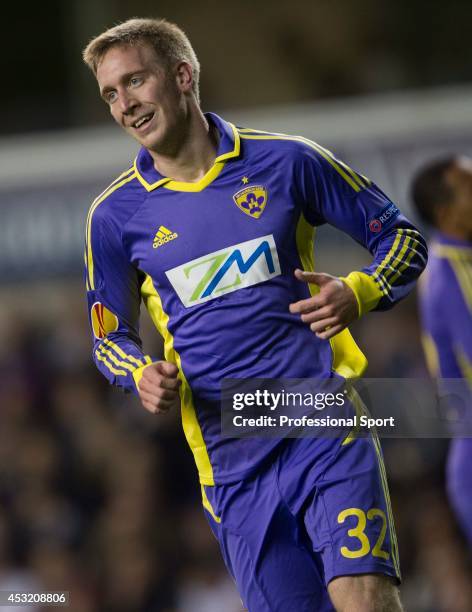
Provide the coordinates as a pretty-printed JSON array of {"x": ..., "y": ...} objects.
[
  {"x": 334, "y": 193},
  {"x": 113, "y": 294}
]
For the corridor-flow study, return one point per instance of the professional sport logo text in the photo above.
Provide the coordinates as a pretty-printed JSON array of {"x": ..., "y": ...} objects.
[
  {"x": 386, "y": 215},
  {"x": 225, "y": 271}
]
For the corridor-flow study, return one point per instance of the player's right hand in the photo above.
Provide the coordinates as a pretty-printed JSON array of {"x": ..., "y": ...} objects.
[{"x": 159, "y": 387}]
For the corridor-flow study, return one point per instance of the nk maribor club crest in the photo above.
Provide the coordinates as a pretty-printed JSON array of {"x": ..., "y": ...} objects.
[
  {"x": 103, "y": 321},
  {"x": 251, "y": 200}
]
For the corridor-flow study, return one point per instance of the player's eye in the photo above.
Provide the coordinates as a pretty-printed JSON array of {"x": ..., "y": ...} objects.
[
  {"x": 135, "y": 81},
  {"x": 111, "y": 97}
]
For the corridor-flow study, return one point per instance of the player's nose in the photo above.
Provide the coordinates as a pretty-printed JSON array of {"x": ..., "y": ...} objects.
[{"x": 127, "y": 103}]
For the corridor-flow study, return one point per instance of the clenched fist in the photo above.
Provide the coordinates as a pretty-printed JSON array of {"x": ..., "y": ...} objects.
[{"x": 159, "y": 387}]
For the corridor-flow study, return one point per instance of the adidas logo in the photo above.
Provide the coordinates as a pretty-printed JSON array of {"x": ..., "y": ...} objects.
[{"x": 163, "y": 235}]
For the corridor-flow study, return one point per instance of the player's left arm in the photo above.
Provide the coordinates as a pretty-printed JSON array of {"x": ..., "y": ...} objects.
[{"x": 333, "y": 193}]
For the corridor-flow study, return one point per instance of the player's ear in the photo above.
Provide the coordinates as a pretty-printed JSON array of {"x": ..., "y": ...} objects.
[
  {"x": 442, "y": 215},
  {"x": 184, "y": 74}
]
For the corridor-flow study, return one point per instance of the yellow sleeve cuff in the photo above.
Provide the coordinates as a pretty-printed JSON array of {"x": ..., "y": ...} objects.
[
  {"x": 138, "y": 373},
  {"x": 365, "y": 289}
]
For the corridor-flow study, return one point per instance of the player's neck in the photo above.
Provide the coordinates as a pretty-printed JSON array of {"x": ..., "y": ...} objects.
[{"x": 195, "y": 154}]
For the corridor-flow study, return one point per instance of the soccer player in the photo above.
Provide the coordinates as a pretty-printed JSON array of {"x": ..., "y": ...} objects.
[
  {"x": 442, "y": 193},
  {"x": 212, "y": 227}
]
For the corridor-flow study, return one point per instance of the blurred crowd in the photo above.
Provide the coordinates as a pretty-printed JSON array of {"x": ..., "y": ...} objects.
[
  {"x": 101, "y": 499},
  {"x": 296, "y": 51}
]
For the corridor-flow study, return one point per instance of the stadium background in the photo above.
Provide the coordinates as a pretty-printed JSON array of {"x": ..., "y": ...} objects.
[{"x": 98, "y": 497}]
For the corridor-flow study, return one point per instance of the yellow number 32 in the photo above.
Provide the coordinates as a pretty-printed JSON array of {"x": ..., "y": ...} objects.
[{"x": 359, "y": 532}]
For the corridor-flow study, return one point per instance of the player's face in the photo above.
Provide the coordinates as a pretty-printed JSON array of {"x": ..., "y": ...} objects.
[{"x": 145, "y": 99}]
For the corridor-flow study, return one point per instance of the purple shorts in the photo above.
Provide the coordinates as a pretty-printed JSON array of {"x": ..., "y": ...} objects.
[{"x": 319, "y": 509}]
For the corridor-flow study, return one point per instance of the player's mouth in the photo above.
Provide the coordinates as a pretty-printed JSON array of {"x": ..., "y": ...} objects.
[{"x": 141, "y": 123}]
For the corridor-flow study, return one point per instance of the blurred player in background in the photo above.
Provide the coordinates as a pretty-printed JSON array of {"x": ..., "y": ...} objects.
[
  {"x": 442, "y": 193},
  {"x": 211, "y": 227}
]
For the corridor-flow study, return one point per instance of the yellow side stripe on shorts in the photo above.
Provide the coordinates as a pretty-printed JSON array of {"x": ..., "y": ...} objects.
[
  {"x": 391, "y": 524},
  {"x": 357, "y": 403},
  {"x": 362, "y": 409},
  {"x": 109, "y": 365},
  {"x": 207, "y": 505}
]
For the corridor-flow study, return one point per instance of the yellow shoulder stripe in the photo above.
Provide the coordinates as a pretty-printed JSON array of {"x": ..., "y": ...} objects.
[
  {"x": 460, "y": 259},
  {"x": 111, "y": 185},
  {"x": 463, "y": 271},
  {"x": 356, "y": 181},
  {"x": 452, "y": 252},
  {"x": 88, "y": 242}
]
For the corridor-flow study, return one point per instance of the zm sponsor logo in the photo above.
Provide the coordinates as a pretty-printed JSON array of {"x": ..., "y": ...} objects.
[
  {"x": 225, "y": 271},
  {"x": 163, "y": 236},
  {"x": 387, "y": 214},
  {"x": 103, "y": 320},
  {"x": 251, "y": 200}
]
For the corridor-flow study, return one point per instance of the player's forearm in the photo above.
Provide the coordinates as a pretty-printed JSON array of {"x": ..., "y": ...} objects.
[
  {"x": 120, "y": 360},
  {"x": 400, "y": 258}
]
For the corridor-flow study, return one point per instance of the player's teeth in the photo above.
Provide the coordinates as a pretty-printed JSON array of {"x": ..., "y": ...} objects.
[{"x": 141, "y": 121}]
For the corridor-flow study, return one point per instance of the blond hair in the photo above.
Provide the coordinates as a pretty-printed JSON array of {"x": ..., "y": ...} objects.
[{"x": 169, "y": 42}]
